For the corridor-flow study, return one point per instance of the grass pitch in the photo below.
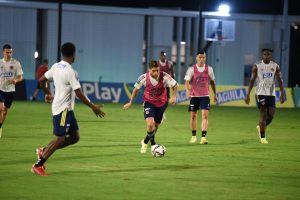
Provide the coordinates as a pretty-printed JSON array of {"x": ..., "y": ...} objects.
[{"x": 106, "y": 163}]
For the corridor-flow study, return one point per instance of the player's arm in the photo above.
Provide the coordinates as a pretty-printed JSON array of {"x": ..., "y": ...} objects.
[
  {"x": 96, "y": 108},
  {"x": 133, "y": 96},
  {"x": 213, "y": 87},
  {"x": 16, "y": 80},
  {"x": 187, "y": 86},
  {"x": 251, "y": 83},
  {"x": 172, "y": 100},
  {"x": 280, "y": 83},
  {"x": 43, "y": 83},
  {"x": 172, "y": 70}
]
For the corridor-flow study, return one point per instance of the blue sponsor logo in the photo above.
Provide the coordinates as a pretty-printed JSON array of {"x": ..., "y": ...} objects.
[
  {"x": 6, "y": 74},
  {"x": 231, "y": 95},
  {"x": 277, "y": 95},
  {"x": 181, "y": 96},
  {"x": 267, "y": 75}
]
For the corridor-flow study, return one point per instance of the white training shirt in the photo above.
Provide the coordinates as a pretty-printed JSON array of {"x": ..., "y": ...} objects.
[
  {"x": 190, "y": 72},
  {"x": 8, "y": 71},
  {"x": 168, "y": 81},
  {"x": 265, "y": 81},
  {"x": 65, "y": 82}
]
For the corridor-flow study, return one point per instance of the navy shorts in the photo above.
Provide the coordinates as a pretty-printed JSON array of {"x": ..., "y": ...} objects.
[
  {"x": 265, "y": 101},
  {"x": 197, "y": 103},
  {"x": 64, "y": 123},
  {"x": 152, "y": 111},
  {"x": 7, "y": 98}
]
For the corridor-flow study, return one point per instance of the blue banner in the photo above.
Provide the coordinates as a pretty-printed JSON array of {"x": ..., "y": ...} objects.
[{"x": 95, "y": 91}]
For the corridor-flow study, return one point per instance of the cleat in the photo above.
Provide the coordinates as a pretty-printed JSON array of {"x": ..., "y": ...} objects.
[
  {"x": 144, "y": 147},
  {"x": 203, "y": 140},
  {"x": 258, "y": 131},
  {"x": 193, "y": 139},
  {"x": 0, "y": 132},
  {"x": 264, "y": 141},
  {"x": 39, "y": 170}
]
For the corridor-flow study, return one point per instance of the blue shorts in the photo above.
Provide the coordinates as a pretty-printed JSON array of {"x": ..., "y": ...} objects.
[
  {"x": 197, "y": 103},
  {"x": 265, "y": 101},
  {"x": 152, "y": 111},
  {"x": 7, "y": 98},
  {"x": 64, "y": 123}
]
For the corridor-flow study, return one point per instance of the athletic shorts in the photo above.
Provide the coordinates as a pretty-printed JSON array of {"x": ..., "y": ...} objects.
[
  {"x": 265, "y": 101},
  {"x": 197, "y": 103},
  {"x": 7, "y": 98},
  {"x": 152, "y": 111},
  {"x": 64, "y": 123}
]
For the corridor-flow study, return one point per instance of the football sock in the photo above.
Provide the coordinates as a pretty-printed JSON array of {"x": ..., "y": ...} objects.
[
  {"x": 262, "y": 134},
  {"x": 203, "y": 133},
  {"x": 40, "y": 162},
  {"x": 148, "y": 137},
  {"x": 194, "y": 133},
  {"x": 152, "y": 139},
  {"x": 0, "y": 125}
]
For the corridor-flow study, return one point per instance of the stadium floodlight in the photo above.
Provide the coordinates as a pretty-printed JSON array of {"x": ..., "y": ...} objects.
[
  {"x": 36, "y": 54},
  {"x": 224, "y": 10}
]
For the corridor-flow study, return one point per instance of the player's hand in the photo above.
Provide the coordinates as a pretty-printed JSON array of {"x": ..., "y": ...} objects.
[
  {"x": 48, "y": 98},
  {"x": 97, "y": 110},
  {"x": 12, "y": 81},
  {"x": 247, "y": 99},
  {"x": 188, "y": 94},
  {"x": 216, "y": 99},
  {"x": 126, "y": 106},
  {"x": 172, "y": 100}
]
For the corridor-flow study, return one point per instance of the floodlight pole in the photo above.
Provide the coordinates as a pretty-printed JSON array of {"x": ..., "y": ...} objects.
[
  {"x": 59, "y": 29},
  {"x": 200, "y": 27}
]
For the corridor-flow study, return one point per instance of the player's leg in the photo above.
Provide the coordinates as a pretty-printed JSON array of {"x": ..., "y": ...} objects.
[
  {"x": 205, "y": 108},
  {"x": 261, "y": 103},
  {"x": 270, "y": 109},
  {"x": 193, "y": 109},
  {"x": 149, "y": 113}
]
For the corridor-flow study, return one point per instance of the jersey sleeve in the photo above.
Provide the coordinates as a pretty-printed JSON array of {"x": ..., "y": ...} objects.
[
  {"x": 140, "y": 82},
  {"x": 19, "y": 69},
  {"x": 211, "y": 73},
  {"x": 189, "y": 74},
  {"x": 73, "y": 79},
  {"x": 49, "y": 74},
  {"x": 168, "y": 80}
]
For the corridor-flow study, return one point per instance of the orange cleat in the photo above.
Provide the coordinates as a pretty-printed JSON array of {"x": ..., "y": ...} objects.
[{"x": 39, "y": 170}]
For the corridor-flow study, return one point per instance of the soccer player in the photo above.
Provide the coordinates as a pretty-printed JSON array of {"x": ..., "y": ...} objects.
[
  {"x": 39, "y": 73},
  {"x": 265, "y": 72},
  {"x": 65, "y": 127},
  {"x": 197, "y": 81},
  {"x": 166, "y": 65},
  {"x": 10, "y": 73},
  {"x": 155, "y": 83}
]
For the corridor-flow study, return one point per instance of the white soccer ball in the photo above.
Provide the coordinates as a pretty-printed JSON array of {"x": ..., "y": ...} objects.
[{"x": 158, "y": 150}]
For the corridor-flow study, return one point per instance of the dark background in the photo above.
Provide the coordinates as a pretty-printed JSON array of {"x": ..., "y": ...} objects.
[{"x": 237, "y": 6}]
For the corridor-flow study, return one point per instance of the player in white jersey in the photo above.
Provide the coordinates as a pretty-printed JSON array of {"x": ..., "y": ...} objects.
[
  {"x": 10, "y": 73},
  {"x": 67, "y": 86},
  {"x": 265, "y": 73}
]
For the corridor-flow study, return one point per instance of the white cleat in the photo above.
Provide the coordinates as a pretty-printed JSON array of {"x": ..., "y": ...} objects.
[
  {"x": 203, "y": 140},
  {"x": 264, "y": 141},
  {"x": 193, "y": 139},
  {"x": 144, "y": 147}
]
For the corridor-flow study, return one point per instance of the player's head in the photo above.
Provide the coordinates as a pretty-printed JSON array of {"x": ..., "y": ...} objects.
[
  {"x": 68, "y": 51},
  {"x": 201, "y": 57},
  {"x": 266, "y": 55},
  {"x": 7, "y": 52},
  {"x": 153, "y": 68},
  {"x": 45, "y": 61},
  {"x": 162, "y": 56}
]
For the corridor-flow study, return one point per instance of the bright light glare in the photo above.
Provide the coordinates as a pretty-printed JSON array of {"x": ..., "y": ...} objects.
[
  {"x": 36, "y": 54},
  {"x": 224, "y": 10}
]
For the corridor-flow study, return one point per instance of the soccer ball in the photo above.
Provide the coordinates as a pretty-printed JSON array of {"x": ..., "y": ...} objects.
[{"x": 158, "y": 150}]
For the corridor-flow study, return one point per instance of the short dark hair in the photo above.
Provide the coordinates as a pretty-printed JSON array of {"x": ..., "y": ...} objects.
[
  {"x": 201, "y": 52},
  {"x": 153, "y": 64},
  {"x": 68, "y": 49},
  {"x": 6, "y": 46},
  {"x": 163, "y": 53},
  {"x": 45, "y": 61},
  {"x": 267, "y": 49}
]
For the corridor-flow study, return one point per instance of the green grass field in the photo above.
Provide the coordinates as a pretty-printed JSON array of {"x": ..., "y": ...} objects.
[{"x": 107, "y": 164}]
